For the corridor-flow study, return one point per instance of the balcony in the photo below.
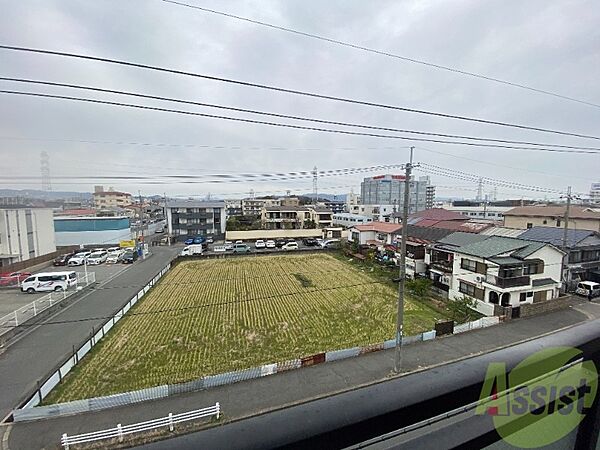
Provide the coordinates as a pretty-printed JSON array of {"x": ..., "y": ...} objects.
[
  {"x": 511, "y": 282},
  {"x": 444, "y": 266}
]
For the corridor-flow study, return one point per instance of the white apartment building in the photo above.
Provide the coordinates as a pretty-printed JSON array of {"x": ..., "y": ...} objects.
[
  {"x": 25, "y": 233},
  {"x": 349, "y": 220},
  {"x": 486, "y": 212}
]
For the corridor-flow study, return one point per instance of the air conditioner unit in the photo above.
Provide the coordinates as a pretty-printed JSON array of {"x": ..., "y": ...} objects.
[{"x": 479, "y": 279}]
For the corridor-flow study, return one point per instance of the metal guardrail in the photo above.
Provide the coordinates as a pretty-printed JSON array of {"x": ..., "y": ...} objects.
[
  {"x": 30, "y": 310},
  {"x": 120, "y": 431}
]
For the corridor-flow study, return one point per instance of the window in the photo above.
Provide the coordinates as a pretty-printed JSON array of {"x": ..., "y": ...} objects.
[
  {"x": 473, "y": 266},
  {"x": 468, "y": 264},
  {"x": 471, "y": 290},
  {"x": 529, "y": 225},
  {"x": 533, "y": 268},
  {"x": 545, "y": 222},
  {"x": 558, "y": 222}
]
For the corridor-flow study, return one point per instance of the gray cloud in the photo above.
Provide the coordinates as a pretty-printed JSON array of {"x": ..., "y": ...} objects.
[{"x": 553, "y": 46}]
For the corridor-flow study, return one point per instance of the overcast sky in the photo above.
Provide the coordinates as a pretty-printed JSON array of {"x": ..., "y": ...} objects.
[{"x": 553, "y": 46}]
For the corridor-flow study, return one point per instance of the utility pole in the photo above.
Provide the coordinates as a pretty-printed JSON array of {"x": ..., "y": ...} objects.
[
  {"x": 315, "y": 187},
  {"x": 567, "y": 210},
  {"x": 141, "y": 220},
  {"x": 402, "y": 281}
]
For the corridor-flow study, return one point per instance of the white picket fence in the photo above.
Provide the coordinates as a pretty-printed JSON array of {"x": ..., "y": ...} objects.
[
  {"x": 24, "y": 313},
  {"x": 119, "y": 431},
  {"x": 484, "y": 322}
]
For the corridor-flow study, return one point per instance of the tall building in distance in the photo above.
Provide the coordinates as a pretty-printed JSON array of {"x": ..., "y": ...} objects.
[
  {"x": 389, "y": 190},
  {"x": 595, "y": 193}
]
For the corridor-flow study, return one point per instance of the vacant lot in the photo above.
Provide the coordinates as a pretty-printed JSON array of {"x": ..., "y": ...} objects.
[{"x": 215, "y": 316}]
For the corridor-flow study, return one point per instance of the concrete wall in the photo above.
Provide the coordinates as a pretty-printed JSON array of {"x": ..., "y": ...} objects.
[
  {"x": 251, "y": 235},
  {"x": 543, "y": 307}
]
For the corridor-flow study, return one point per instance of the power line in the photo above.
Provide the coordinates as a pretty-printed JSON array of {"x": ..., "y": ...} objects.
[
  {"x": 500, "y": 165},
  {"x": 458, "y": 176},
  {"x": 384, "y": 53},
  {"x": 231, "y": 177},
  {"x": 291, "y": 91},
  {"x": 285, "y": 125},
  {"x": 284, "y": 116}
]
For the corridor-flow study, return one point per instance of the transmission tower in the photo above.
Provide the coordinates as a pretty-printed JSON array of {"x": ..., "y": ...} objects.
[
  {"x": 479, "y": 190},
  {"x": 45, "y": 171},
  {"x": 315, "y": 181}
]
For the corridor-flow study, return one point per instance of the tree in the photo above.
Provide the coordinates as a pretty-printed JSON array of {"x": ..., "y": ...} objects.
[
  {"x": 461, "y": 309},
  {"x": 419, "y": 287},
  {"x": 310, "y": 224}
]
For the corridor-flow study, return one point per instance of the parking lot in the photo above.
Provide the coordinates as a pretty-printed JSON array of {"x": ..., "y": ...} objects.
[{"x": 12, "y": 299}]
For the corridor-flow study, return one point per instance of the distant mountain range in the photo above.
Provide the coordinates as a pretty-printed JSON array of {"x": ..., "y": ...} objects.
[
  {"x": 330, "y": 197},
  {"x": 45, "y": 195}
]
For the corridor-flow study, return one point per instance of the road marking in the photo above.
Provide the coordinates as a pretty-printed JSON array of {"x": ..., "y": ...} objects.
[{"x": 6, "y": 434}]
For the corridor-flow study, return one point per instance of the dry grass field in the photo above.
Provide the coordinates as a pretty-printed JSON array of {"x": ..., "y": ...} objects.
[{"x": 212, "y": 316}]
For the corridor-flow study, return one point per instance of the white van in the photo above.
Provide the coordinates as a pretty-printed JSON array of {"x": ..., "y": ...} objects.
[
  {"x": 49, "y": 281},
  {"x": 586, "y": 287}
]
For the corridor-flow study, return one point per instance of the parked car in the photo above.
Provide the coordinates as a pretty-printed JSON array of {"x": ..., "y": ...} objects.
[
  {"x": 79, "y": 259},
  {"x": 310, "y": 242},
  {"x": 115, "y": 256},
  {"x": 189, "y": 241},
  {"x": 159, "y": 230},
  {"x": 63, "y": 260},
  {"x": 129, "y": 257},
  {"x": 97, "y": 258},
  {"x": 280, "y": 243},
  {"x": 270, "y": 244},
  {"x": 13, "y": 278},
  {"x": 228, "y": 245},
  {"x": 239, "y": 241},
  {"x": 219, "y": 248},
  {"x": 210, "y": 239},
  {"x": 241, "y": 248},
  {"x": 331, "y": 243},
  {"x": 589, "y": 289},
  {"x": 260, "y": 244},
  {"x": 290, "y": 246},
  {"x": 190, "y": 250},
  {"x": 199, "y": 240},
  {"x": 113, "y": 249},
  {"x": 49, "y": 281}
]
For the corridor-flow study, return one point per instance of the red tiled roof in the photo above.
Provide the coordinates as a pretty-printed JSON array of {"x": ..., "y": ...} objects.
[
  {"x": 380, "y": 227},
  {"x": 77, "y": 212}
]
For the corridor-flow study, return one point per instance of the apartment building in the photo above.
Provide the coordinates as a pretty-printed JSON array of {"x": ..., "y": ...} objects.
[
  {"x": 196, "y": 218},
  {"x": 389, "y": 190},
  {"x": 25, "y": 233},
  {"x": 254, "y": 206},
  {"x": 110, "y": 199},
  {"x": 322, "y": 216},
  {"x": 348, "y": 220},
  {"x": 284, "y": 217}
]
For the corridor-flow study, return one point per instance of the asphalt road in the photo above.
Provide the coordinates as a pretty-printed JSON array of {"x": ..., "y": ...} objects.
[
  {"x": 38, "y": 351},
  {"x": 12, "y": 298}
]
